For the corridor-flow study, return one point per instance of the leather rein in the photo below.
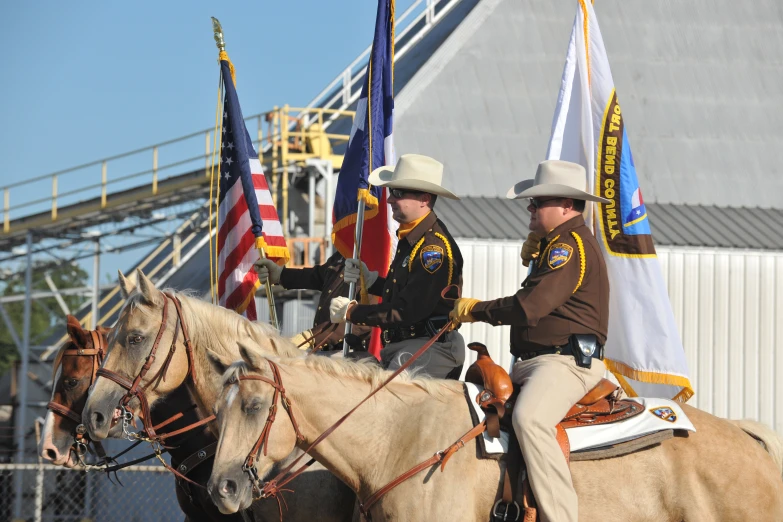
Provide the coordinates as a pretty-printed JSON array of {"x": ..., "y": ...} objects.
[
  {"x": 81, "y": 439},
  {"x": 136, "y": 390},
  {"x": 274, "y": 487}
]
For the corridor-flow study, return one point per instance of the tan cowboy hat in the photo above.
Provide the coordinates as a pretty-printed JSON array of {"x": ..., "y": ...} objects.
[
  {"x": 413, "y": 172},
  {"x": 555, "y": 178}
]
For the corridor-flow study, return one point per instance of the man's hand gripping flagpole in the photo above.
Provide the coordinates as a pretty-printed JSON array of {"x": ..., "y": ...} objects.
[
  {"x": 357, "y": 248},
  {"x": 270, "y": 298}
]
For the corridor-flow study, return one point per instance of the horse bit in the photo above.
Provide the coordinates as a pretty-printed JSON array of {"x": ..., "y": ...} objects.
[{"x": 81, "y": 439}]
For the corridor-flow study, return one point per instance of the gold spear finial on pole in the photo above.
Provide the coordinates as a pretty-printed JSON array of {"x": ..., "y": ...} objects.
[{"x": 218, "y": 30}]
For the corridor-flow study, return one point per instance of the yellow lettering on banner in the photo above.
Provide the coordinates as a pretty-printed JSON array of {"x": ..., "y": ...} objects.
[
  {"x": 612, "y": 227},
  {"x": 611, "y": 140},
  {"x": 615, "y": 123},
  {"x": 611, "y": 150},
  {"x": 609, "y": 209},
  {"x": 609, "y": 183}
]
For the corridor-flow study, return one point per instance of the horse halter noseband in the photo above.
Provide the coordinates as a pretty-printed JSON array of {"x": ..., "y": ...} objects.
[
  {"x": 134, "y": 388},
  {"x": 249, "y": 465},
  {"x": 98, "y": 355}
]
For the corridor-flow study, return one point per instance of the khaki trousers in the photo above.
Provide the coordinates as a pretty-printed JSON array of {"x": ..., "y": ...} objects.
[
  {"x": 551, "y": 384},
  {"x": 437, "y": 361}
]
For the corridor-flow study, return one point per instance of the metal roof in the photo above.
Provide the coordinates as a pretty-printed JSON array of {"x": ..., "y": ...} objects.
[
  {"x": 698, "y": 82},
  {"x": 672, "y": 225}
]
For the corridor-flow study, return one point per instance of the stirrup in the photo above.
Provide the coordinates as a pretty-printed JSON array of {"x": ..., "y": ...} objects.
[{"x": 501, "y": 511}]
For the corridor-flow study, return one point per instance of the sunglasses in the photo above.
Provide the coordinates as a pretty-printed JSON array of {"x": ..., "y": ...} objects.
[
  {"x": 538, "y": 202},
  {"x": 400, "y": 193}
]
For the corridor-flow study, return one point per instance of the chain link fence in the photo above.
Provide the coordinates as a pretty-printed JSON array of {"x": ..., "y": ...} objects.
[{"x": 52, "y": 493}]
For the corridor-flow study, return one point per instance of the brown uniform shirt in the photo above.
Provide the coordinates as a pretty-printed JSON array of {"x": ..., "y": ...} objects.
[
  {"x": 327, "y": 279},
  {"x": 566, "y": 293},
  {"x": 427, "y": 261}
]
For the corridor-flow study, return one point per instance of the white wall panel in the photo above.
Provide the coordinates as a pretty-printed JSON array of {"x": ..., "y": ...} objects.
[{"x": 728, "y": 306}]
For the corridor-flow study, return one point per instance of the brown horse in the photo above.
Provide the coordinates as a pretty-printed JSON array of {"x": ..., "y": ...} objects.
[
  {"x": 715, "y": 474},
  {"x": 74, "y": 369},
  {"x": 320, "y": 495}
]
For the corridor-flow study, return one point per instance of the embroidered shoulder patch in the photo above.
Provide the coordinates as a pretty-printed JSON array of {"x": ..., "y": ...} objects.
[
  {"x": 559, "y": 255},
  {"x": 432, "y": 258},
  {"x": 665, "y": 413}
]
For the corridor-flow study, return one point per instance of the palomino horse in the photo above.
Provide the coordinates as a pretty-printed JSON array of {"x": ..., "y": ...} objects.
[
  {"x": 715, "y": 474},
  {"x": 140, "y": 329},
  {"x": 74, "y": 371}
]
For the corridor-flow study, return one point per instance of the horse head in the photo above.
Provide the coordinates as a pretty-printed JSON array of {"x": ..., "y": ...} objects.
[
  {"x": 252, "y": 399},
  {"x": 74, "y": 371},
  {"x": 146, "y": 352}
]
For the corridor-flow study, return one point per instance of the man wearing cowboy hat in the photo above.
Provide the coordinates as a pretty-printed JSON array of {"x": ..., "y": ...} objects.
[
  {"x": 559, "y": 320},
  {"x": 427, "y": 260}
]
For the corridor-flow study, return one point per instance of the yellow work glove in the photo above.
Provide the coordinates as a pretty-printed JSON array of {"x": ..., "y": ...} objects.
[
  {"x": 530, "y": 248},
  {"x": 300, "y": 338},
  {"x": 462, "y": 308}
]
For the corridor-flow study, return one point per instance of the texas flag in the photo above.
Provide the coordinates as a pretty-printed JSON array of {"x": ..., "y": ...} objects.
[{"x": 371, "y": 145}]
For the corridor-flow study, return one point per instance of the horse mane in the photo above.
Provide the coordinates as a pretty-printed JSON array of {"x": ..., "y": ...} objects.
[
  {"x": 364, "y": 370},
  {"x": 226, "y": 320}
]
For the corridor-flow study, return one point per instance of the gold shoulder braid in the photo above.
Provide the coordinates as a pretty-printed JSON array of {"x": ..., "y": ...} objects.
[
  {"x": 440, "y": 236},
  {"x": 413, "y": 252},
  {"x": 448, "y": 253},
  {"x": 582, "y": 260}
]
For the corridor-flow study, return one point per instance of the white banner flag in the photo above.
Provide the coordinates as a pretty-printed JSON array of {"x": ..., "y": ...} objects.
[{"x": 643, "y": 348}]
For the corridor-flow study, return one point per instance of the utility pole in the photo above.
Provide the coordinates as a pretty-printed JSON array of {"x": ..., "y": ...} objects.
[{"x": 21, "y": 408}]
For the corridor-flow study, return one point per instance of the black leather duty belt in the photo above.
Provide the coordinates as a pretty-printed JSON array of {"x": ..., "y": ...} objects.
[
  {"x": 565, "y": 349},
  {"x": 427, "y": 329}
]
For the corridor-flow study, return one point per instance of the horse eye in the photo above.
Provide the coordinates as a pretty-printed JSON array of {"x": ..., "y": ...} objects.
[
  {"x": 253, "y": 407},
  {"x": 135, "y": 339},
  {"x": 71, "y": 383}
]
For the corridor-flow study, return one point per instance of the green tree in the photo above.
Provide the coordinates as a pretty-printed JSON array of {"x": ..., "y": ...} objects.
[{"x": 45, "y": 315}]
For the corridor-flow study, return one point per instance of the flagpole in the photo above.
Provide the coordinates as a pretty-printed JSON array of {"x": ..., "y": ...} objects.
[
  {"x": 217, "y": 30},
  {"x": 357, "y": 248}
]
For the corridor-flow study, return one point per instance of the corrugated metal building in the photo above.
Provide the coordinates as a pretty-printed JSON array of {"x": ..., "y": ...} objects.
[{"x": 698, "y": 85}]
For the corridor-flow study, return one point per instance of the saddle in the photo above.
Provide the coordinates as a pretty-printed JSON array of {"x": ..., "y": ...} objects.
[{"x": 600, "y": 405}]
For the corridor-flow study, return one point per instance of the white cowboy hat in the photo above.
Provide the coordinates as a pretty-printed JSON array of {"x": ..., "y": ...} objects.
[
  {"x": 555, "y": 178},
  {"x": 413, "y": 172}
]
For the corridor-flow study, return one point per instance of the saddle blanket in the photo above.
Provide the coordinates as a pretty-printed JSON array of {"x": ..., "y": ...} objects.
[{"x": 660, "y": 415}]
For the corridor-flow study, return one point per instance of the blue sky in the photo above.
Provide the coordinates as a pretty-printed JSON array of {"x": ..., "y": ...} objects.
[{"x": 86, "y": 80}]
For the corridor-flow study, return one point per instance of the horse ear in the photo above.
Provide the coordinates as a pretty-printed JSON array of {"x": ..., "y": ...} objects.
[
  {"x": 78, "y": 335},
  {"x": 149, "y": 293},
  {"x": 126, "y": 287},
  {"x": 249, "y": 356},
  {"x": 219, "y": 366}
]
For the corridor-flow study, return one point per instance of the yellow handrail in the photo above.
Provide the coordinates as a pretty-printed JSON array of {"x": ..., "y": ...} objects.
[{"x": 287, "y": 143}]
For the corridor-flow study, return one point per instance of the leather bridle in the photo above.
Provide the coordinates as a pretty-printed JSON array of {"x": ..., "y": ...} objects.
[
  {"x": 249, "y": 466},
  {"x": 136, "y": 390},
  {"x": 81, "y": 439}
]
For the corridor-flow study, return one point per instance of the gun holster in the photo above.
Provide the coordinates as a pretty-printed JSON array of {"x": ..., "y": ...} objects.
[{"x": 584, "y": 347}]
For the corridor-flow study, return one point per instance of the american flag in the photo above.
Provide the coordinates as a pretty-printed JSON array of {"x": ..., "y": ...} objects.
[{"x": 247, "y": 215}]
